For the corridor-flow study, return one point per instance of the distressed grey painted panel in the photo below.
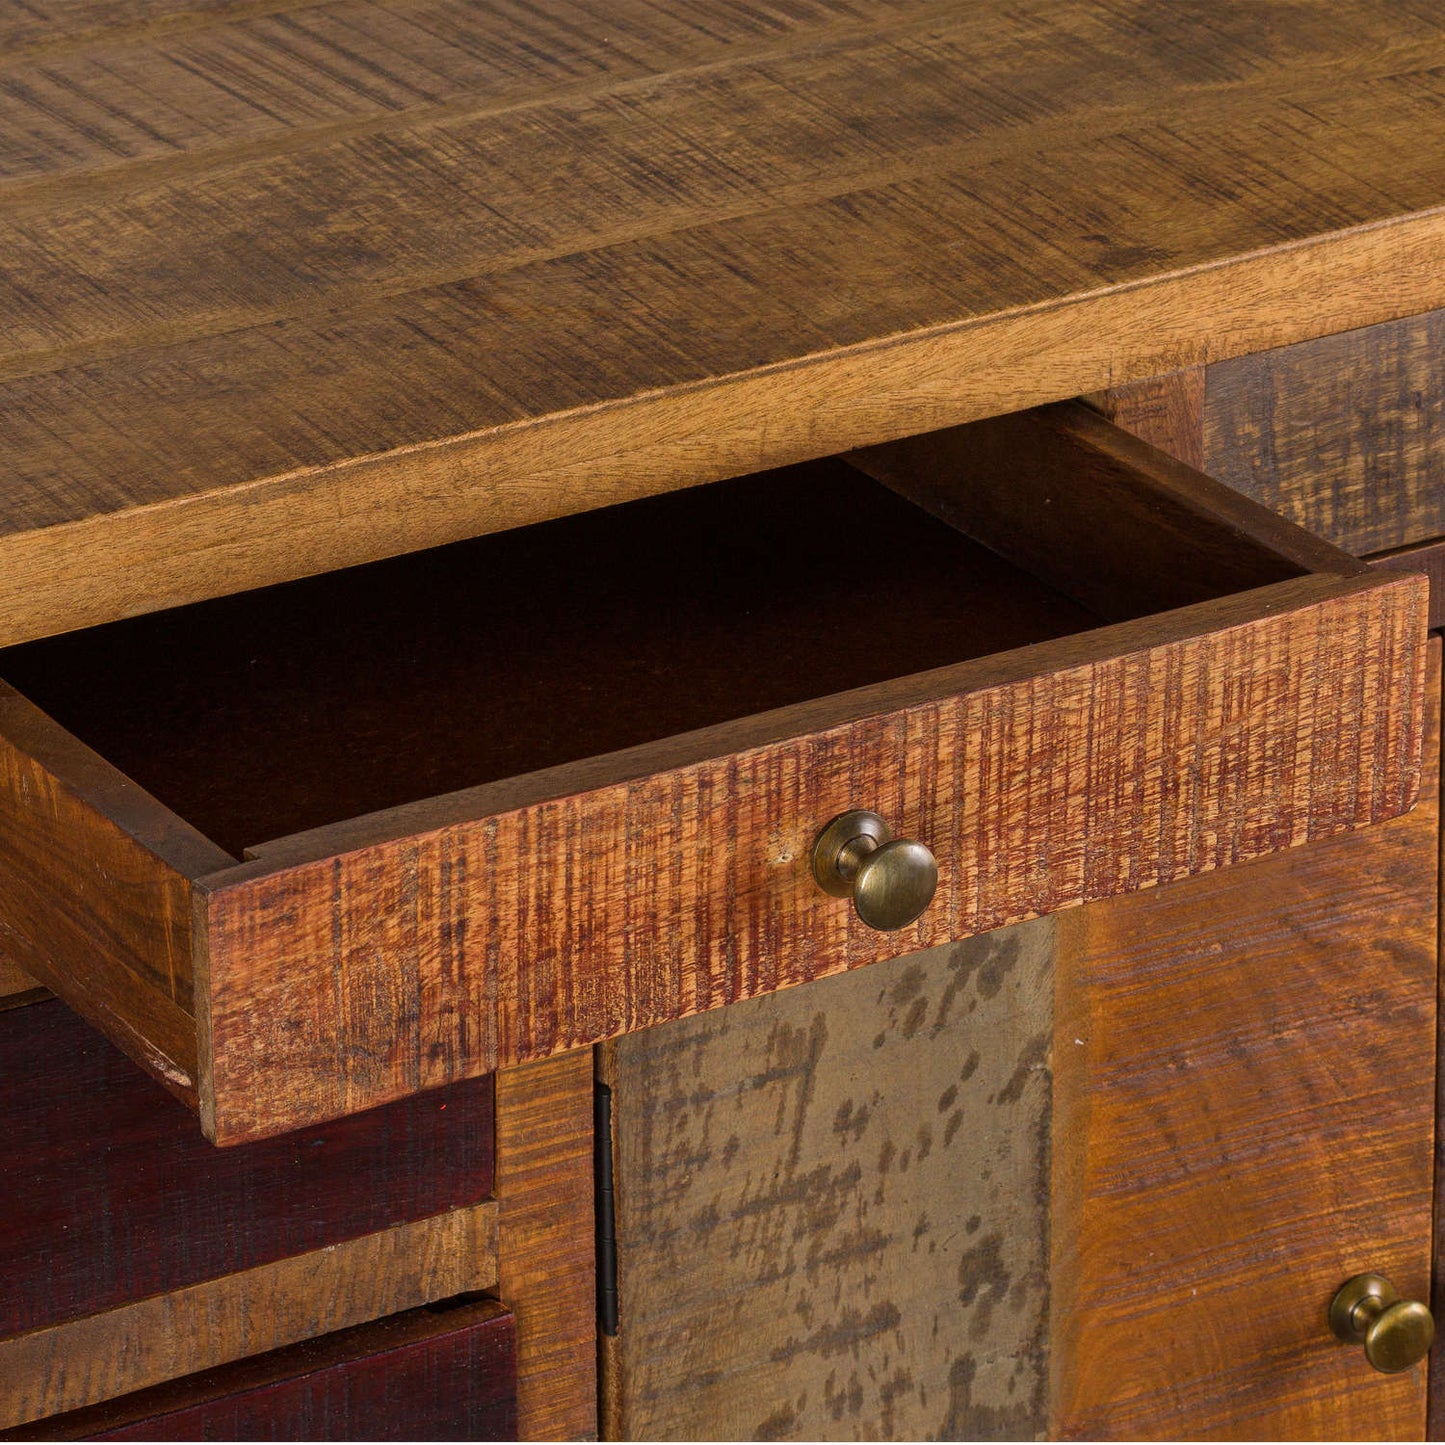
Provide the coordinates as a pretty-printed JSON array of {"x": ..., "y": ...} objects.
[{"x": 833, "y": 1206}]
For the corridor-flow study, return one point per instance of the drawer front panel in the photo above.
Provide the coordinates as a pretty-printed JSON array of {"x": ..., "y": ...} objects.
[
  {"x": 423, "y": 1375},
  {"x": 115, "y": 1197},
  {"x": 484, "y": 941}
]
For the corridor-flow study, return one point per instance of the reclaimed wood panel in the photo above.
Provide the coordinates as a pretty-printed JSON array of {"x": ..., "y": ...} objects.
[
  {"x": 832, "y": 1207},
  {"x": 273, "y": 308},
  {"x": 108, "y": 97},
  {"x": 1345, "y": 435},
  {"x": 1247, "y": 708},
  {"x": 1427, "y": 557},
  {"x": 84, "y": 1361},
  {"x": 1261, "y": 733},
  {"x": 1244, "y": 1081},
  {"x": 423, "y": 1375},
  {"x": 115, "y": 1196},
  {"x": 546, "y": 1269}
]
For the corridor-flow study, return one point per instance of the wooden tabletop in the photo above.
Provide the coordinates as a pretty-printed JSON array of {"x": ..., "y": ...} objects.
[{"x": 287, "y": 286}]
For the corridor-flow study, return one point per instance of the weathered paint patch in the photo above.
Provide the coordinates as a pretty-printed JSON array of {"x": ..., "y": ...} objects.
[{"x": 833, "y": 1206}]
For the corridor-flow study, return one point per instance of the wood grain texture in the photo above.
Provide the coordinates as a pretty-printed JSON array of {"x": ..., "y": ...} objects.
[
  {"x": 1435, "y": 1405},
  {"x": 546, "y": 1272},
  {"x": 17, "y": 986},
  {"x": 499, "y": 927},
  {"x": 423, "y": 1375},
  {"x": 115, "y": 1195},
  {"x": 832, "y": 1207},
  {"x": 1165, "y": 411},
  {"x": 1244, "y": 1069},
  {"x": 84, "y": 1361},
  {"x": 424, "y": 908},
  {"x": 284, "y": 291},
  {"x": 1426, "y": 557},
  {"x": 94, "y": 891},
  {"x": 1345, "y": 435},
  {"x": 1168, "y": 412}
]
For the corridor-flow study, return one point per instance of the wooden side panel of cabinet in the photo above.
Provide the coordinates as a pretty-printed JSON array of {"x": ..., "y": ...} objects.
[
  {"x": 1344, "y": 435},
  {"x": 832, "y": 1207},
  {"x": 1245, "y": 1113},
  {"x": 423, "y": 1375}
]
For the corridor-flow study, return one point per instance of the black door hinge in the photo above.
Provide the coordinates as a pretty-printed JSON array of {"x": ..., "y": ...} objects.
[{"x": 605, "y": 1210}]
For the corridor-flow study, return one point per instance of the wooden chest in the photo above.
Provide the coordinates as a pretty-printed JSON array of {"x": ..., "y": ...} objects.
[{"x": 484, "y": 489}]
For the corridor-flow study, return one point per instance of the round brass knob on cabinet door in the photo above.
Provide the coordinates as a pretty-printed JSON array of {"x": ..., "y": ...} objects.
[
  {"x": 890, "y": 880},
  {"x": 1395, "y": 1332}
]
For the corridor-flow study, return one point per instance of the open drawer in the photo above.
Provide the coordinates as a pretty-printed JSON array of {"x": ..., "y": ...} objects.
[{"x": 307, "y": 850}]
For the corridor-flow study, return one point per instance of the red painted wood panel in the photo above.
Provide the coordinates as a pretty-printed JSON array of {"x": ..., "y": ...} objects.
[
  {"x": 111, "y": 1194},
  {"x": 429, "y": 1374}
]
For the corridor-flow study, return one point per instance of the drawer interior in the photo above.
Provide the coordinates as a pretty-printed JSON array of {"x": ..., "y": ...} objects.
[{"x": 281, "y": 710}]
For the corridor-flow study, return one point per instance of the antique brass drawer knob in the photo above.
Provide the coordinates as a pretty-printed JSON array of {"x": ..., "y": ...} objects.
[
  {"x": 1395, "y": 1332},
  {"x": 890, "y": 880}
]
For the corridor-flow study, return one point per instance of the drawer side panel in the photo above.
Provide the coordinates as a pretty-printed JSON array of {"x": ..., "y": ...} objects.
[
  {"x": 95, "y": 893},
  {"x": 337, "y": 983}
]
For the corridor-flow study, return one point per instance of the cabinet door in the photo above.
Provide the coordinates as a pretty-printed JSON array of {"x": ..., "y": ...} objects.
[
  {"x": 1096, "y": 1177},
  {"x": 429, "y": 1374}
]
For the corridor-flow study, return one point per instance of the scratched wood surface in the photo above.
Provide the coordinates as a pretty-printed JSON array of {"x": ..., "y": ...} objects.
[
  {"x": 291, "y": 286},
  {"x": 1271, "y": 715},
  {"x": 269, "y": 713},
  {"x": 74, "y": 829},
  {"x": 832, "y": 1207},
  {"x": 115, "y": 1196},
  {"x": 83, "y": 1361},
  {"x": 1334, "y": 948},
  {"x": 1241, "y": 1117},
  {"x": 1427, "y": 557},
  {"x": 1345, "y": 435},
  {"x": 1244, "y": 1074},
  {"x": 1263, "y": 734},
  {"x": 423, "y": 1375},
  {"x": 546, "y": 1261}
]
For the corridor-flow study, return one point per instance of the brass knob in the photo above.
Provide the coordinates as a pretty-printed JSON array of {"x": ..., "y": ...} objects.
[
  {"x": 1395, "y": 1332},
  {"x": 890, "y": 880}
]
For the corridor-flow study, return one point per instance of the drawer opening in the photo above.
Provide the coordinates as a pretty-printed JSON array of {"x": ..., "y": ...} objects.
[
  {"x": 286, "y": 709},
  {"x": 303, "y": 851},
  {"x": 278, "y": 711}
]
